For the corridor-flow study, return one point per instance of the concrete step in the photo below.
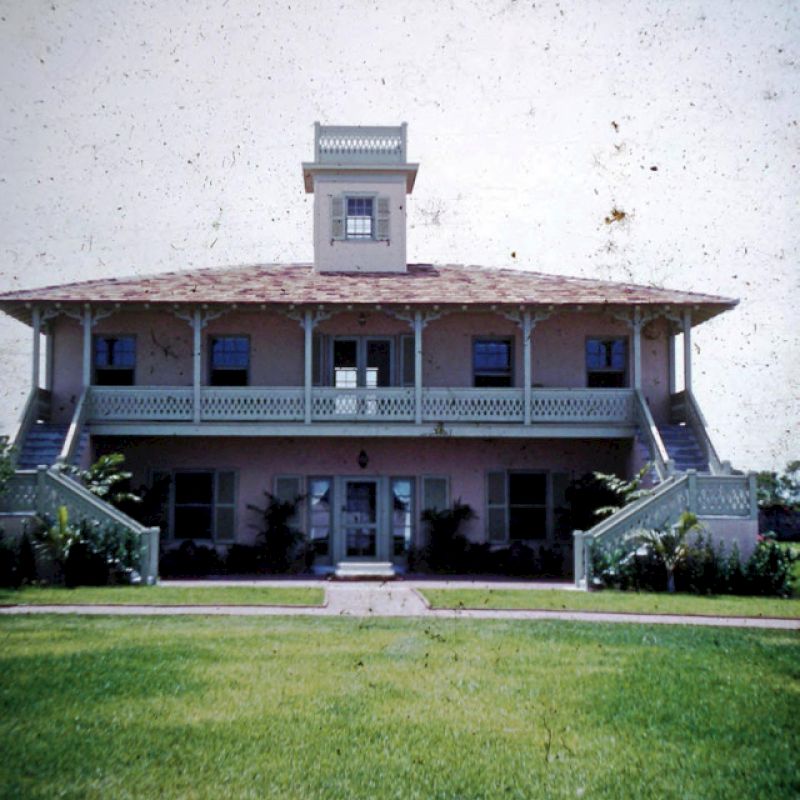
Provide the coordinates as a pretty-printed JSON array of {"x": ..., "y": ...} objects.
[{"x": 365, "y": 570}]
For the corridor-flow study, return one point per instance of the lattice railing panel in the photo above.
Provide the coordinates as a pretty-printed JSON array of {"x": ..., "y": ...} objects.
[
  {"x": 360, "y": 144},
  {"x": 20, "y": 494},
  {"x": 582, "y": 405},
  {"x": 723, "y": 497},
  {"x": 140, "y": 403},
  {"x": 253, "y": 404},
  {"x": 367, "y": 405},
  {"x": 472, "y": 405}
]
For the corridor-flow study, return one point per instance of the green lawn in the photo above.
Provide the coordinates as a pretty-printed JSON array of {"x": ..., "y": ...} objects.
[
  {"x": 639, "y": 602},
  {"x": 284, "y": 707},
  {"x": 165, "y": 595}
]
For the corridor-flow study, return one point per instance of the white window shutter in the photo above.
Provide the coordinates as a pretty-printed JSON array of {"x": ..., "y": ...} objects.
[
  {"x": 382, "y": 220},
  {"x": 434, "y": 493},
  {"x": 337, "y": 217}
]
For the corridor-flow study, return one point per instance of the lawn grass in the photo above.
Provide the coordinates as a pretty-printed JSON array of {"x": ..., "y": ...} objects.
[
  {"x": 634, "y": 602},
  {"x": 164, "y": 595},
  {"x": 339, "y": 708}
]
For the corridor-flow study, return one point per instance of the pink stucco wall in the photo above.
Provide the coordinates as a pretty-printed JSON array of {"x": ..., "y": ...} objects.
[
  {"x": 465, "y": 462},
  {"x": 164, "y": 348}
]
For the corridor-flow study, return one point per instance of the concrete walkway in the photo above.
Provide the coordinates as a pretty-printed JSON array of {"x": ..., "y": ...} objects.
[{"x": 395, "y": 599}]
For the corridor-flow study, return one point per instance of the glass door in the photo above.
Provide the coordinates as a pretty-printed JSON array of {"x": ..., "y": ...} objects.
[{"x": 360, "y": 518}]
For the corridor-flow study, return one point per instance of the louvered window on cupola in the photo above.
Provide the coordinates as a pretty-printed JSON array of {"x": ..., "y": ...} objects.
[{"x": 360, "y": 218}]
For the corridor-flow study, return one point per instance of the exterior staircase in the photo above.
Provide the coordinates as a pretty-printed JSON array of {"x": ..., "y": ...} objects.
[
  {"x": 43, "y": 443},
  {"x": 683, "y": 448}
]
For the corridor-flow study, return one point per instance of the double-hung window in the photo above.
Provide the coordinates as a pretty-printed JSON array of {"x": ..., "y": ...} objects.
[
  {"x": 359, "y": 220},
  {"x": 492, "y": 362},
  {"x": 230, "y": 361},
  {"x": 114, "y": 360},
  {"x": 606, "y": 362},
  {"x": 204, "y": 504}
]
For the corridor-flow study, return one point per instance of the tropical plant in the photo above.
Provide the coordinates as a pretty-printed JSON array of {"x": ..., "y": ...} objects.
[
  {"x": 625, "y": 491},
  {"x": 671, "y": 544},
  {"x": 282, "y": 544},
  {"x": 57, "y": 537},
  {"x": 107, "y": 480},
  {"x": 6, "y": 462},
  {"x": 447, "y": 546}
]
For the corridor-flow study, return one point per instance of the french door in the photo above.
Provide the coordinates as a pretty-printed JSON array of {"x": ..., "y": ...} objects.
[
  {"x": 364, "y": 361},
  {"x": 359, "y": 518}
]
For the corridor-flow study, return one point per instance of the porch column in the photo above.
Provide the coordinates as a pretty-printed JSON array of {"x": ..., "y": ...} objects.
[
  {"x": 526, "y": 366},
  {"x": 418, "y": 367},
  {"x": 197, "y": 365},
  {"x": 48, "y": 358},
  {"x": 687, "y": 350},
  {"x": 637, "y": 348},
  {"x": 87, "y": 346},
  {"x": 308, "y": 331},
  {"x": 671, "y": 377},
  {"x": 36, "y": 324}
]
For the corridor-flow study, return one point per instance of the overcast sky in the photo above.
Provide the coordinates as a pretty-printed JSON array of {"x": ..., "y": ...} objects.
[{"x": 138, "y": 137}]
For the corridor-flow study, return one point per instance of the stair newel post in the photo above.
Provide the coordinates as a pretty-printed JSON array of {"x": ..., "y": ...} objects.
[
  {"x": 577, "y": 552},
  {"x": 751, "y": 486},
  {"x": 691, "y": 475}
]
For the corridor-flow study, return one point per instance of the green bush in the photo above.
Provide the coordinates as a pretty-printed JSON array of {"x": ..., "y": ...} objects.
[
  {"x": 704, "y": 569},
  {"x": 284, "y": 548}
]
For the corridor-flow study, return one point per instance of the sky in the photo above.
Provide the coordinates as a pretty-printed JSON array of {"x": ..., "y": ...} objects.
[{"x": 139, "y": 137}]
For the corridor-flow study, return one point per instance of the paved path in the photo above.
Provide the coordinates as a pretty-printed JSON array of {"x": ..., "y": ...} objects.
[{"x": 398, "y": 599}]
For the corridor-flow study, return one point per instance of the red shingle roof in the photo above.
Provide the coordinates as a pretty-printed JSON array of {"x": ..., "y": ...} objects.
[{"x": 423, "y": 284}]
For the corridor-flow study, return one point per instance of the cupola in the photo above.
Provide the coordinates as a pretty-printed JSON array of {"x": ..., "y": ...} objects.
[{"x": 360, "y": 178}]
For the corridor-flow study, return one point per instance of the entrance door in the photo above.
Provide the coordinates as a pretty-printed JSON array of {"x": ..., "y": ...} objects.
[{"x": 360, "y": 518}]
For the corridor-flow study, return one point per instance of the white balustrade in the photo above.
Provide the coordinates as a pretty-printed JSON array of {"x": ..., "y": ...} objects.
[
  {"x": 583, "y": 405},
  {"x": 390, "y": 404},
  {"x": 472, "y": 405},
  {"x": 252, "y": 403},
  {"x": 140, "y": 403},
  {"x": 369, "y": 405}
]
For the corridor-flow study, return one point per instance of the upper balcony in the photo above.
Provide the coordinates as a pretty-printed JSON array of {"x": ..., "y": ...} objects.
[{"x": 391, "y": 411}]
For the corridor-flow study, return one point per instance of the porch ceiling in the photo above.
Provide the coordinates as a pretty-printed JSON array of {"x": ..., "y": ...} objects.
[{"x": 421, "y": 285}]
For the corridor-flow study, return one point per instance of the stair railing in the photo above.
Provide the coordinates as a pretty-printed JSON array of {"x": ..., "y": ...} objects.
[
  {"x": 73, "y": 437},
  {"x": 36, "y": 407},
  {"x": 695, "y": 418},
  {"x": 658, "y": 452},
  {"x": 707, "y": 496},
  {"x": 54, "y": 489}
]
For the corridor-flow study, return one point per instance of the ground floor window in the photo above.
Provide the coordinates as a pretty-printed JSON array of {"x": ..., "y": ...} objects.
[
  {"x": 402, "y": 500},
  {"x": 320, "y": 514},
  {"x": 203, "y": 505},
  {"x": 526, "y": 505}
]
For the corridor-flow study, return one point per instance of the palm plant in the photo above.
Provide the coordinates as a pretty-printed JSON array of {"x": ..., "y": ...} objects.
[{"x": 670, "y": 544}]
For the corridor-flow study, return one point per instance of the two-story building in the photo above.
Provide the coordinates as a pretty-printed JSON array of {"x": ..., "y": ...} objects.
[{"x": 371, "y": 387}]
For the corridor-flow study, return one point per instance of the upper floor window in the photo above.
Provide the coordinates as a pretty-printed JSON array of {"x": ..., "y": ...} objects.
[
  {"x": 359, "y": 218},
  {"x": 114, "y": 360},
  {"x": 230, "y": 361},
  {"x": 606, "y": 362},
  {"x": 492, "y": 362}
]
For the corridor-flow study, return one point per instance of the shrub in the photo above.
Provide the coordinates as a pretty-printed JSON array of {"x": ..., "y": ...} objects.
[
  {"x": 9, "y": 562},
  {"x": 447, "y": 547},
  {"x": 670, "y": 544},
  {"x": 190, "y": 560},
  {"x": 107, "y": 480},
  {"x": 284, "y": 548},
  {"x": 89, "y": 553},
  {"x": 769, "y": 569},
  {"x": 242, "y": 559}
]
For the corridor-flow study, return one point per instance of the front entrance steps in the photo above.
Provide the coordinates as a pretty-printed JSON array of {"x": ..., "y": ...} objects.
[{"x": 365, "y": 570}]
